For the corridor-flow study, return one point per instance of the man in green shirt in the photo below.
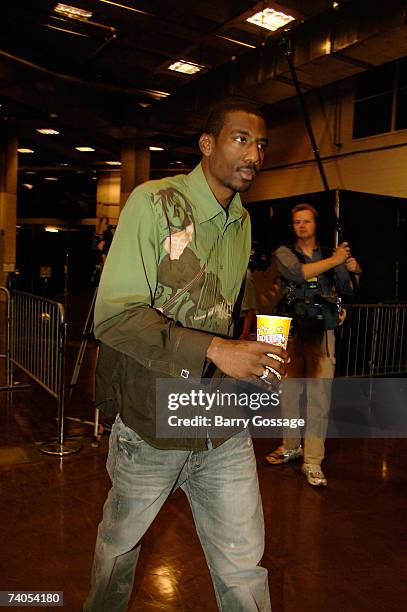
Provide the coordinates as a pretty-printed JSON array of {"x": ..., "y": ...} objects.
[{"x": 168, "y": 291}]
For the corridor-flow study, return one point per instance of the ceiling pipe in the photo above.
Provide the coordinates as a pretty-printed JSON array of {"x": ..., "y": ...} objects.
[
  {"x": 106, "y": 87},
  {"x": 353, "y": 24}
]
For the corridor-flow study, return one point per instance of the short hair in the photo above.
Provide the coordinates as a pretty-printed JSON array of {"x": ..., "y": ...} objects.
[
  {"x": 217, "y": 115},
  {"x": 304, "y": 206}
]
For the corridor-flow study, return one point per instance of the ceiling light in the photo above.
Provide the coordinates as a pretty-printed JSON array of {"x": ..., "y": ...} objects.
[
  {"x": 50, "y": 228},
  {"x": 270, "y": 19},
  {"x": 158, "y": 94},
  {"x": 335, "y": 5},
  {"x": 25, "y": 150},
  {"x": 72, "y": 11},
  {"x": 50, "y": 178},
  {"x": 47, "y": 131},
  {"x": 185, "y": 67},
  {"x": 113, "y": 163},
  {"x": 85, "y": 149},
  {"x": 27, "y": 185},
  {"x": 156, "y": 148}
]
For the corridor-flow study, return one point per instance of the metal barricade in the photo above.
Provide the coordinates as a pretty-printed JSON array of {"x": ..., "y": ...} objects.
[
  {"x": 5, "y": 337},
  {"x": 373, "y": 340},
  {"x": 37, "y": 347}
]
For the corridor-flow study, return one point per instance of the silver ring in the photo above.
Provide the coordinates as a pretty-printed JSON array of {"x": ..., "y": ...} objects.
[
  {"x": 277, "y": 374},
  {"x": 265, "y": 374}
]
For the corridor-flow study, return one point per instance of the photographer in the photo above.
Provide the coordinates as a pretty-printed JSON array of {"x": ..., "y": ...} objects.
[{"x": 310, "y": 279}]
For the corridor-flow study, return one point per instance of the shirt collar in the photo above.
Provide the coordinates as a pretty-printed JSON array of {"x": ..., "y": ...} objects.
[
  {"x": 206, "y": 205},
  {"x": 316, "y": 249}
]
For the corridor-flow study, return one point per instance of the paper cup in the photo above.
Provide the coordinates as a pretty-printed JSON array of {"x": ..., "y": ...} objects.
[{"x": 273, "y": 329}]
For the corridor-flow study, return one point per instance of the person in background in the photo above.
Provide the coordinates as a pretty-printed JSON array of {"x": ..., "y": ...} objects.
[
  {"x": 169, "y": 288},
  {"x": 307, "y": 270}
]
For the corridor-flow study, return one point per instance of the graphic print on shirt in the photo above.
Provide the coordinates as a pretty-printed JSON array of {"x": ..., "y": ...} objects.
[{"x": 189, "y": 289}]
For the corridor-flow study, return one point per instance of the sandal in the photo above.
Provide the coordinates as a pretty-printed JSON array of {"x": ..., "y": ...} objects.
[{"x": 284, "y": 455}]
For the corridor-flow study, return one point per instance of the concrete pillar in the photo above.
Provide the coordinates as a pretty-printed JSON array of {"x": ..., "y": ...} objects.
[
  {"x": 8, "y": 205},
  {"x": 107, "y": 200},
  {"x": 135, "y": 169}
]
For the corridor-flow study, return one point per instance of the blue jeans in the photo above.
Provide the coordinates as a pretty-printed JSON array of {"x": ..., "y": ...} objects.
[{"x": 222, "y": 488}]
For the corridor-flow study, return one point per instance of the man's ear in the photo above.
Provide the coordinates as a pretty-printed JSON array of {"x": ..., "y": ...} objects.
[{"x": 206, "y": 144}]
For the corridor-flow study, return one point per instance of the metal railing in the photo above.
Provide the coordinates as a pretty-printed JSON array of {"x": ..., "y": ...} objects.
[
  {"x": 37, "y": 347},
  {"x": 5, "y": 337},
  {"x": 373, "y": 340}
]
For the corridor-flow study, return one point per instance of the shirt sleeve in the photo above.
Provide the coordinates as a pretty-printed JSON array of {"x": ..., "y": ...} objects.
[
  {"x": 249, "y": 296},
  {"x": 125, "y": 317},
  {"x": 288, "y": 265}
]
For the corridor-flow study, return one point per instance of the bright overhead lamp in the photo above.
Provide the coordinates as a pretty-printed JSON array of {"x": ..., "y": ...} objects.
[
  {"x": 72, "y": 11},
  {"x": 47, "y": 131},
  {"x": 25, "y": 150},
  {"x": 185, "y": 67},
  {"x": 156, "y": 148},
  {"x": 50, "y": 178},
  {"x": 85, "y": 149},
  {"x": 270, "y": 19},
  {"x": 27, "y": 185},
  {"x": 52, "y": 229},
  {"x": 113, "y": 163}
]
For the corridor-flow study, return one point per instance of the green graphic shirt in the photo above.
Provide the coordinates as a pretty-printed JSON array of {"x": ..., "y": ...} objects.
[{"x": 170, "y": 282}]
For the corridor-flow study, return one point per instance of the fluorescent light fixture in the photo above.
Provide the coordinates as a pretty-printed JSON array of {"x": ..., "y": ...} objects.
[
  {"x": 27, "y": 185},
  {"x": 158, "y": 94},
  {"x": 52, "y": 229},
  {"x": 185, "y": 67},
  {"x": 156, "y": 148},
  {"x": 72, "y": 11},
  {"x": 113, "y": 163},
  {"x": 50, "y": 178},
  {"x": 128, "y": 8},
  {"x": 85, "y": 149},
  {"x": 47, "y": 131},
  {"x": 270, "y": 19},
  {"x": 25, "y": 150}
]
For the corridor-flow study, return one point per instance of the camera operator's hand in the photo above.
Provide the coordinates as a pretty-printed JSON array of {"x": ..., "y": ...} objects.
[
  {"x": 341, "y": 253},
  {"x": 248, "y": 359},
  {"x": 353, "y": 266}
]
